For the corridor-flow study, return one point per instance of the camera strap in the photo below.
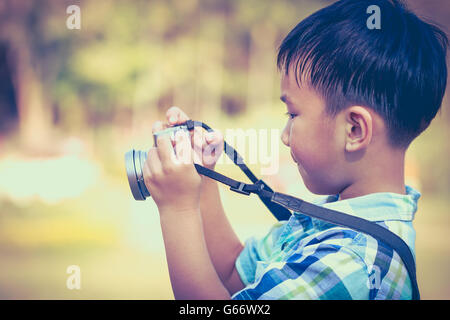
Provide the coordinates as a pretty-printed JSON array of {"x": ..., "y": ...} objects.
[{"x": 280, "y": 205}]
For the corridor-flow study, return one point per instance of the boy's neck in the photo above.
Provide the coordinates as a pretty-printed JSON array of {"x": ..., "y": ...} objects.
[
  {"x": 354, "y": 191},
  {"x": 385, "y": 176}
]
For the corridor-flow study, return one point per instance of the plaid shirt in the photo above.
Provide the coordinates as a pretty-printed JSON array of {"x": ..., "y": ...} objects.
[{"x": 306, "y": 258}]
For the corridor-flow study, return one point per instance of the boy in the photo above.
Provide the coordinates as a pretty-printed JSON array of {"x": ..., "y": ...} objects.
[{"x": 356, "y": 98}]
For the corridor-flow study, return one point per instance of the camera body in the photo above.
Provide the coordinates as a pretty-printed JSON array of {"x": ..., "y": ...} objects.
[
  {"x": 135, "y": 160},
  {"x": 169, "y": 131}
]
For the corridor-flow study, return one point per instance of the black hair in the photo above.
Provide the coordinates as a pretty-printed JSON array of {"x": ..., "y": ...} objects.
[{"x": 399, "y": 70}]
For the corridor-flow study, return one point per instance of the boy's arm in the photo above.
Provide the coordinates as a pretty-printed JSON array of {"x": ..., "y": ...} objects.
[
  {"x": 192, "y": 274},
  {"x": 222, "y": 243},
  {"x": 175, "y": 186}
]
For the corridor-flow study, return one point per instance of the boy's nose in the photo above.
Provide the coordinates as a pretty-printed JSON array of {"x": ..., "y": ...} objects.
[{"x": 285, "y": 136}]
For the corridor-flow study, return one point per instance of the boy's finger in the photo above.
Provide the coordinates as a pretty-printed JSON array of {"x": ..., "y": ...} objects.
[
  {"x": 158, "y": 126},
  {"x": 165, "y": 152},
  {"x": 153, "y": 162},
  {"x": 148, "y": 177},
  {"x": 176, "y": 116},
  {"x": 198, "y": 143},
  {"x": 198, "y": 137},
  {"x": 214, "y": 138},
  {"x": 183, "y": 147}
]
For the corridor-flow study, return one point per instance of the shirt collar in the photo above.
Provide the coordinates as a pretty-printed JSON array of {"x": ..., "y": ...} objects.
[{"x": 380, "y": 206}]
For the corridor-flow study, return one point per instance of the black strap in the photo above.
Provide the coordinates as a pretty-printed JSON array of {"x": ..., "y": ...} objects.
[{"x": 280, "y": 205}]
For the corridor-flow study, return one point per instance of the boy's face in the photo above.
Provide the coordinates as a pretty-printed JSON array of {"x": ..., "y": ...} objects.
[{"x": 313, "y": 137}]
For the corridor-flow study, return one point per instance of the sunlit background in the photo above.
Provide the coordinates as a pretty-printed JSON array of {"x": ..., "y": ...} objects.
[{"x": 72, "y": 102}]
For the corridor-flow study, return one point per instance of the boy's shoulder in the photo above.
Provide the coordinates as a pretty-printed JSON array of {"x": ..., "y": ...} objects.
[
  {"x": 392, "y": 211},
  {"x": 308, "y": 247}
]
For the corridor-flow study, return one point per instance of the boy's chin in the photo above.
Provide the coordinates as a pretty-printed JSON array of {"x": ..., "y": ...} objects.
[
  {"x": 313, "y": 185},
  {"x": 313, "y": 188}
]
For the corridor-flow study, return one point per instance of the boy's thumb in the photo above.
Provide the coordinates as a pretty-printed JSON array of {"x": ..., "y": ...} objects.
[{"x": 213, "y": 137}]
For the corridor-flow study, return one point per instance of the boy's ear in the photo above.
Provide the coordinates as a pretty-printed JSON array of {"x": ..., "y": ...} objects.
[{"x": 358, "y": 128}]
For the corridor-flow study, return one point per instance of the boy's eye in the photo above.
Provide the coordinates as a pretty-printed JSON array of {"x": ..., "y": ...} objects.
[{"x": 291, "y": 115}]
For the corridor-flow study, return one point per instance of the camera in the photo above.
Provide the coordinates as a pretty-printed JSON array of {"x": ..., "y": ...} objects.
[{"x": 135, "y": 160}]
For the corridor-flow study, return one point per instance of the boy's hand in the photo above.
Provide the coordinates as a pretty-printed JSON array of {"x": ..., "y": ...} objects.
[
  {"x": 208, "y": 146},
  {"x": 170, "y": 175}
]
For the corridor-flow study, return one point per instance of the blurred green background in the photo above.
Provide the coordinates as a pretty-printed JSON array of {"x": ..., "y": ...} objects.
[{"x": 72, "y": 102}]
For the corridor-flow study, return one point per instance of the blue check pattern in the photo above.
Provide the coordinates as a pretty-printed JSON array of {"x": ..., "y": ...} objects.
[{"x": 306, "y": 258}]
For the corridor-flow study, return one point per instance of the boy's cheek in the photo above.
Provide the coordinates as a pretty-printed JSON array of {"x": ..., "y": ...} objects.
[{"x": 313, "y": 158}]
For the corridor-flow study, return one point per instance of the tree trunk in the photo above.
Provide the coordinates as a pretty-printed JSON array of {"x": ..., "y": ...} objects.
[{"x": 35, "y": 119}]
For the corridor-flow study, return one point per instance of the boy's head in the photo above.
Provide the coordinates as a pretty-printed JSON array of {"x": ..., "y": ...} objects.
[{"x": 352, "y": 90}]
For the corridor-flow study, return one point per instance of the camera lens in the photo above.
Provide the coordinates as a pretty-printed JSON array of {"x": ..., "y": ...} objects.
[{"x": 134, "y": 162}]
